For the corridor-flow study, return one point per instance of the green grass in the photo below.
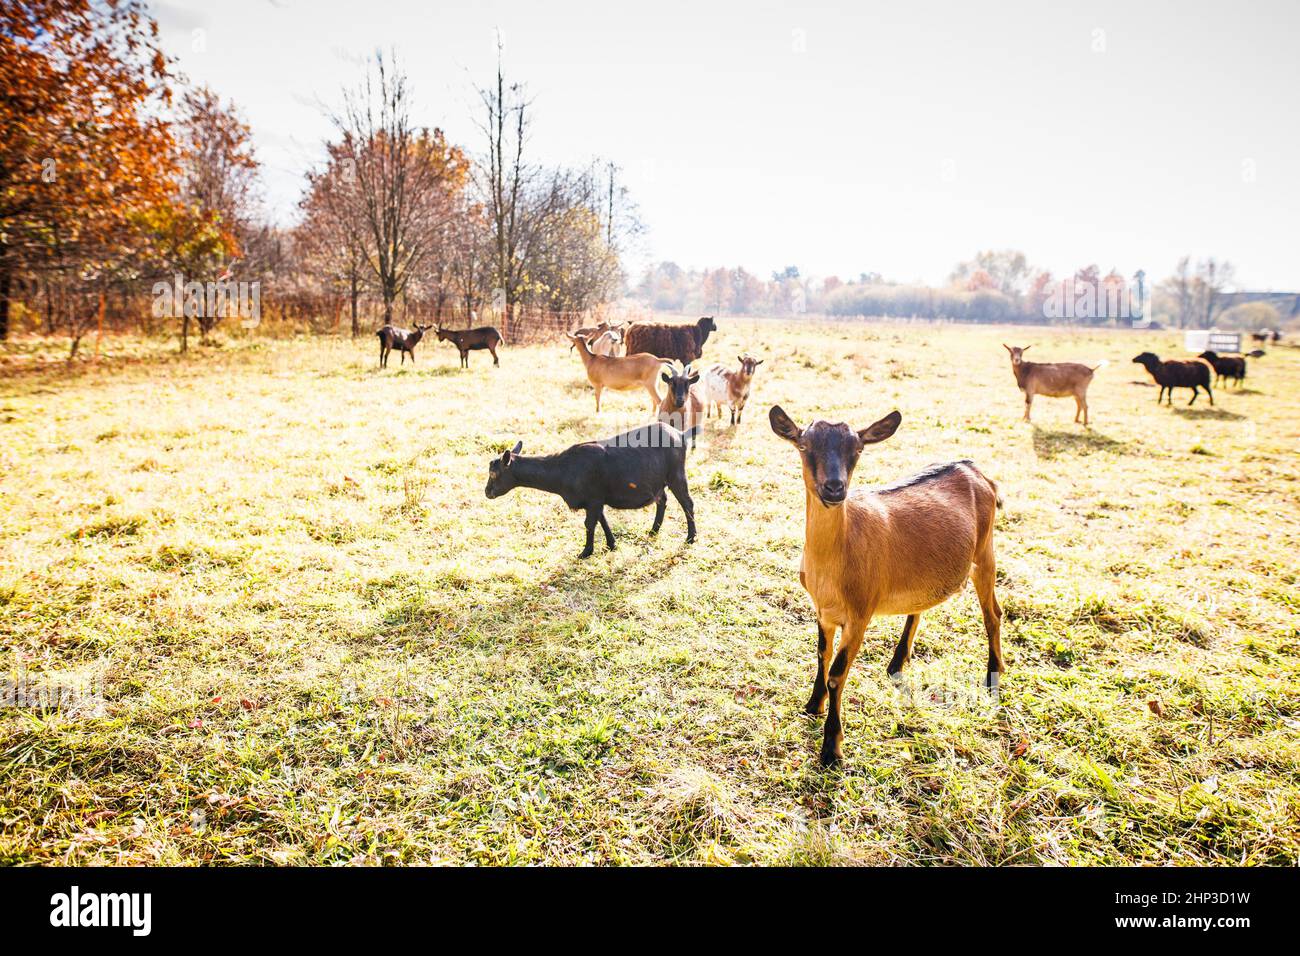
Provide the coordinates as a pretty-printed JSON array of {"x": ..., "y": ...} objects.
[{"x": 320, "y": 643}]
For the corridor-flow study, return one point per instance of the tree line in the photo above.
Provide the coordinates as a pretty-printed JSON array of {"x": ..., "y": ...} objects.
[
  {"x": 117, "y": 174},
  {"x": 992, "y": 286}
]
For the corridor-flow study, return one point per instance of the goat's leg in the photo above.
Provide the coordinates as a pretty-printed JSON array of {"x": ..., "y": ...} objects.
[
  {"x": 661, "y": 505},
  {"x": 677, "y": 485},
  {"x": 1210, "y": 394},
  {"x": 983, "y": 574},
  {"x": 1195, "y": 391},
  {"x": 597, "y": 388},
  {"x": 825, "y": 644},
  {"x": 593, "y": 518},
  {"x": 495, "y": 361},
  {"x": 604, "y": 526},
  {"x": 1029, "y": 403},
  {"x": 903, "y": 653},
  {"x": 850, "y": 643}
]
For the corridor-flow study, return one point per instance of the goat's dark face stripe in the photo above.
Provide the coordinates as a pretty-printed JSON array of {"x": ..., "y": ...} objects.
[{"x": 830, "y": 453}]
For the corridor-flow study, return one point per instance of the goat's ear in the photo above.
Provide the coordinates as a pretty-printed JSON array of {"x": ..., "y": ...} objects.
[
  {"x": 667, "y": 378},
  {"x": 880, "y": 430},
  {"x": 1026, "y": 348},
  {"x": 783, "y": 425},
  {"x": 758, "y": 362},
  {"x": 1007, "y": 347},
  {"x": 695, "y": 377},
  {"x": 519, "y": 446}
]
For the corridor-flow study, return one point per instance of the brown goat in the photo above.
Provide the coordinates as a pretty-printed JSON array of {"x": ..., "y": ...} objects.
[
  {"x": 682, "y": 407},
  {"x": 592, "y": 332},
  {"x": 901, "y": 549},
  {"x": 467, "y": 340},
  {"x": 404, "y": 340},
  {"x": 620, "y": 373},
  {"x": 679, "y": 343},
  {"x": 1053, "y": 379}
]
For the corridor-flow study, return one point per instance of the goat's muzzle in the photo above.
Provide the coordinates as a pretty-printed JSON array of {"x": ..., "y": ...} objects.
[{"x": 832, "y": 492}]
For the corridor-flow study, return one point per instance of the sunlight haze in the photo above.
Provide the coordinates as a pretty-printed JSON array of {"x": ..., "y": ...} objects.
[{"x": 875, "y": 137}]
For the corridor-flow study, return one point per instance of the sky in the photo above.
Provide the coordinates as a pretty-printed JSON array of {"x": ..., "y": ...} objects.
[{"x": 889, "y": 137}]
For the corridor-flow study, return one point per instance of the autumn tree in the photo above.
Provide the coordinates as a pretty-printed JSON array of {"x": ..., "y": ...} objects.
[
  {"x": 329, "y": 238},
  {"x": 1007, "y": 271},
  {"x": 84, "y": 143}
]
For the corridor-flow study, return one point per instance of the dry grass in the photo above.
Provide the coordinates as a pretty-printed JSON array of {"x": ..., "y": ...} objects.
[{"x": 319, "y": 643}]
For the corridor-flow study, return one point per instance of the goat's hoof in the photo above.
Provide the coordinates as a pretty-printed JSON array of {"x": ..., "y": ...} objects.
[
  {"x": 815, "y": 707},
  {"x": 584, "y": 554},
  {"x": 830, "y": 759}
]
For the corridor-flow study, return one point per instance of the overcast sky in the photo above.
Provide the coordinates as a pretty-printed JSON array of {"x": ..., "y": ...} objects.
[{"x": 891, "y": 137}]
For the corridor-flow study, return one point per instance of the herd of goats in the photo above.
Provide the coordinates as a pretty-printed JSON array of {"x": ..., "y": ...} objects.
[{"x": 900, "y": 549}]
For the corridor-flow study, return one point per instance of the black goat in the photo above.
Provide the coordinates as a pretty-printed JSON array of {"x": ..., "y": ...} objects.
[
  {"x": 1177, "y": 374},
  {"x": 405, "y": 341},
  {"x": 627, "y": 471},
  {"x": 1226, "y": 367},
  {"x": 467, "y": 340}
]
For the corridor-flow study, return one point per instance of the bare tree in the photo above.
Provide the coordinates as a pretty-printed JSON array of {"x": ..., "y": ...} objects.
[
  {"x": 1214, "y": 277},
  {"x": 504, "y": 184},
  {"x": 406, "y": 179}
]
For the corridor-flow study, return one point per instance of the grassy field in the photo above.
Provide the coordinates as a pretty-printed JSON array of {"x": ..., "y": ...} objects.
[{"x": 320, "y": 644}]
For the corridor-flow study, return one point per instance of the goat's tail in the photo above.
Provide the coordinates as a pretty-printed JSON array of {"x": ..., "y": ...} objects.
[
  {"x": 501, "y": 340},
  {"x": 1102, "y": 364},
  {"x": 997, "y": 493}
]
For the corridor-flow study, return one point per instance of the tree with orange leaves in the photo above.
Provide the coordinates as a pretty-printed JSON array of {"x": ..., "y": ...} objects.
[{"x": 84, "y": 147}]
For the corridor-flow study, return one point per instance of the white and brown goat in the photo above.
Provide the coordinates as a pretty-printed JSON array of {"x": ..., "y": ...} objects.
[
  {"x": 900, "y": 549},
  {"x": 1053, "y": 379},
  {"x": 620, "y": 373},
  {"x": 722, "y": 386}
]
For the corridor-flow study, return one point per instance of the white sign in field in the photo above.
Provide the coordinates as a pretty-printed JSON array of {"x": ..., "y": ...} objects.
[{"x": 1212, "y": 340}]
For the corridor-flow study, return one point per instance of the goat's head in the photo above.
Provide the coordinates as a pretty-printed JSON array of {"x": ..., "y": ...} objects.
[
  {"x": 1016, "y": 353},
  {"x": 830, "y": 451},
  {"x": 748, "y": 365},
  {"x": 679, "y": 385},
  {"x": 1147, "y": 359},
  {"x": 1209, "y": 356},
  {"x": 706, "y": 324},
  {"x": 444, "y": 335},
  {"x": 421, "y": 329},
  {"x": 500, "y": 474}
]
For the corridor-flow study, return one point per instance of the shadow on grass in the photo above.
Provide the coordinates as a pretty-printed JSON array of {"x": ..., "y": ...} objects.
[
  {"x": 1213, "y": 414},
  {"x": 1052, "y": 444}
]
